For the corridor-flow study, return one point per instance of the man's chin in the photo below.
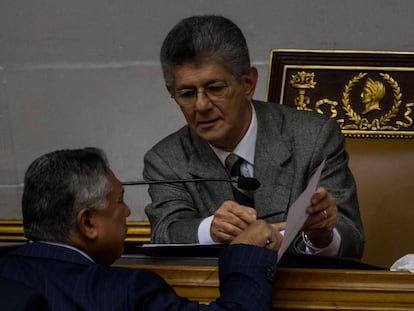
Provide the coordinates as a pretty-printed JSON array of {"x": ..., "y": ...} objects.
[{"x": 211, "y": 135}]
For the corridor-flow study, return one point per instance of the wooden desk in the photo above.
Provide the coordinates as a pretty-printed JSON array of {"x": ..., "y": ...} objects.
[{"x": 297, "y": 289}]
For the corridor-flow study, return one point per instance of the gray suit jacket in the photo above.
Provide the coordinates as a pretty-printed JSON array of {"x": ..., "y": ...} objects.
[{"x": 290, "y": 145}]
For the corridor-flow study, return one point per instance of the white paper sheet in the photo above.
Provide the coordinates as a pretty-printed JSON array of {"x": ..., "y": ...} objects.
[{"x": 297, "y": 215}]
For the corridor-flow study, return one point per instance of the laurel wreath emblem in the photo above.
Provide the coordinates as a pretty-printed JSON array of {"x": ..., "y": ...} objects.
[{"x": 376, "y": 124}]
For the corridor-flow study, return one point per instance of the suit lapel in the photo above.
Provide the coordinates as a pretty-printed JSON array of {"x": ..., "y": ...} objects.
[
  {"x": 273, "y": 163},
  {"x": 203, "y": 163}
]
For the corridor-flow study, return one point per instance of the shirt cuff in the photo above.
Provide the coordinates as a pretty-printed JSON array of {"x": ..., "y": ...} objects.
[
  {"x": 203, "y": 233},
  {"x": 331, "y": 250}
]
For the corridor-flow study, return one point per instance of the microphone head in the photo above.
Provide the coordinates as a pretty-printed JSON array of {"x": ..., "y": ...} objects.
[{"x": 248, "y": 183}]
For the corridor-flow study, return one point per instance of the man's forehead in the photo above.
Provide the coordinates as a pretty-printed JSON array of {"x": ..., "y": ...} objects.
[
  {"x": 188, "y": 75},
  {"x": 115, "y": 182}
]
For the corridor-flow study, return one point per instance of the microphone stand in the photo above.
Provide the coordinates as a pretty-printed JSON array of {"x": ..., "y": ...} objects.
[{"x": 172, "y": 181}]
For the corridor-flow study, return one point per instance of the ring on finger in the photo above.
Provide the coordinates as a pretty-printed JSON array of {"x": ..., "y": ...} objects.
[{"x": 325, "y": 213}]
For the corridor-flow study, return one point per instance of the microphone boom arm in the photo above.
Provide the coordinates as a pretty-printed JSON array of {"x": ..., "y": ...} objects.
[
  {"x": 246, "y": 183},
  {"x": 174, "y": 181}
]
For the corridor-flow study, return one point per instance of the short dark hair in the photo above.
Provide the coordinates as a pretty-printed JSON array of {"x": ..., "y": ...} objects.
[
  {"x": 57, "y": 185},
  {"x": 205, "y": 37}
]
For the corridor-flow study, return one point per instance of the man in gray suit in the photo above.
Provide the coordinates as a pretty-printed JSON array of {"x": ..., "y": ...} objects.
[{"x": 206, "y": 66}]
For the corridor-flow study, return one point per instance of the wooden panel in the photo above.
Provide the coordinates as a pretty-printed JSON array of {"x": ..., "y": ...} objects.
[
  {"x": 383, "y": 169},
  {"x": 303, "y": 289},
  {"x": 12, "y": 231},
  {"x": 195, "y": 282}
]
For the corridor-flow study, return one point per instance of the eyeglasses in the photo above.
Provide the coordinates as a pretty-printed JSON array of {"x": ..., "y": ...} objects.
[{"x": 188, "y": 97}]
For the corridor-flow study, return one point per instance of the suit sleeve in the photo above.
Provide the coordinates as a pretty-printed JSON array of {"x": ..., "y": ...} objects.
[
  {"x": 246, "y": 276},
  {"x": 172, "y": 212},
  {"x": 339, "y": 181}
]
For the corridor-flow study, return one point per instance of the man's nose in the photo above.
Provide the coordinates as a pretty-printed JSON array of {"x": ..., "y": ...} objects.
[
  {"x": 202, "y": 100},
  {"x": 127, "y": 211}
]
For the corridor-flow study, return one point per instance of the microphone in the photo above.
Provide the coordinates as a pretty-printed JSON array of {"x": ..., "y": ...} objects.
[{"x": 245, "y": 183}]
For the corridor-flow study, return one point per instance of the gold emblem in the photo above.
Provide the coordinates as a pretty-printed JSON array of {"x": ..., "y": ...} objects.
[
  {"x": 373, "y": 92},
  {"x": 368, "y": 111},
  {"x": 302, "y": 81}
]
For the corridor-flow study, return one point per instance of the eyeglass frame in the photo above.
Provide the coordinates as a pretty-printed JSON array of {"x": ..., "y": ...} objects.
[{"x": 206, "y": 90}]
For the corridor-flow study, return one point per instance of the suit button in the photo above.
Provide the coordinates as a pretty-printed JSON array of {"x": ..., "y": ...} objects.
[{"x": 270, "y": 273}]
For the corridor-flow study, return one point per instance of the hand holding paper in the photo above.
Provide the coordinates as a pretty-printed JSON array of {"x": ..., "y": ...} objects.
[{"x": 297, "y": 212}]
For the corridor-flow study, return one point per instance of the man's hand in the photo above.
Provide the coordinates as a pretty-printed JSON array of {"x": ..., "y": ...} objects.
[
  {"x": 260, "y": 233},
  {"x": 230, "y": 220},
  {"x": 323, "y": 217}
]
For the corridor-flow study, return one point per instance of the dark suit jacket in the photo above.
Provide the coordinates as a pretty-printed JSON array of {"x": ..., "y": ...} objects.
[
  {"x": 71, "y": 282},
  {"x": 16, "y": 296},
  {"x": 290, "y": 145}
]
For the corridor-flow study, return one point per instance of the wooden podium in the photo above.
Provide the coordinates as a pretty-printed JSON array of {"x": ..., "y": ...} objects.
[{"x": 360, "y": 288}]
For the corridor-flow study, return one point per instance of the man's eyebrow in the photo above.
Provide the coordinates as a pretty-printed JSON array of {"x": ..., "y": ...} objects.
[
  {"x": 121, "y": 193},
  {"x": 211, "y": 81}
]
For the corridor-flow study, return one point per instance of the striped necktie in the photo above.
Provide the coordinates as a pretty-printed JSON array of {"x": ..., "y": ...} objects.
[{"x": 243, "y": 197}]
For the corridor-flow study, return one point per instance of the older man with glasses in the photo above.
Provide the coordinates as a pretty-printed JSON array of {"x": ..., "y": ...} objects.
[{"x": 206, "y": 67}]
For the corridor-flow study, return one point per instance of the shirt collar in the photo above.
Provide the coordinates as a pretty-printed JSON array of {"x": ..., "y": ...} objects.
[
  {"x": 246, "y": 147},
  {"x": 70, "y": 247}
]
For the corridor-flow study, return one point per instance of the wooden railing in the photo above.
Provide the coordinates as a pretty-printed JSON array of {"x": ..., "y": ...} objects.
[
  {"x": 12, "y": 231},
  {"x": 303, "y": 289}
]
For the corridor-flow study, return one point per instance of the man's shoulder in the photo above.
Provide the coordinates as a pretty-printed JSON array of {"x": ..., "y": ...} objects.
[
  {"x": 172, "y": 140},
  {"x": 288, "y": 115},
  {"x": 178, "y": 145},
  {"x": 288, "y": 111}
]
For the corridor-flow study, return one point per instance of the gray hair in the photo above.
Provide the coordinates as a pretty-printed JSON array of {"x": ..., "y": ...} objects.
[
  {"x": 203, "y": 37},
  {"x": 57, "y": 185}
]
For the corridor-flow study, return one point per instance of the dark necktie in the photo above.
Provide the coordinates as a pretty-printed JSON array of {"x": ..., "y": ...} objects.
[{"x": 241, "y": 196}]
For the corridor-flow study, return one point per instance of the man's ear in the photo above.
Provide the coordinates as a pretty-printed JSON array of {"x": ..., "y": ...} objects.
[
  {"x": 250, "y": 82},
  {"x": 85, "y": 223}
]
